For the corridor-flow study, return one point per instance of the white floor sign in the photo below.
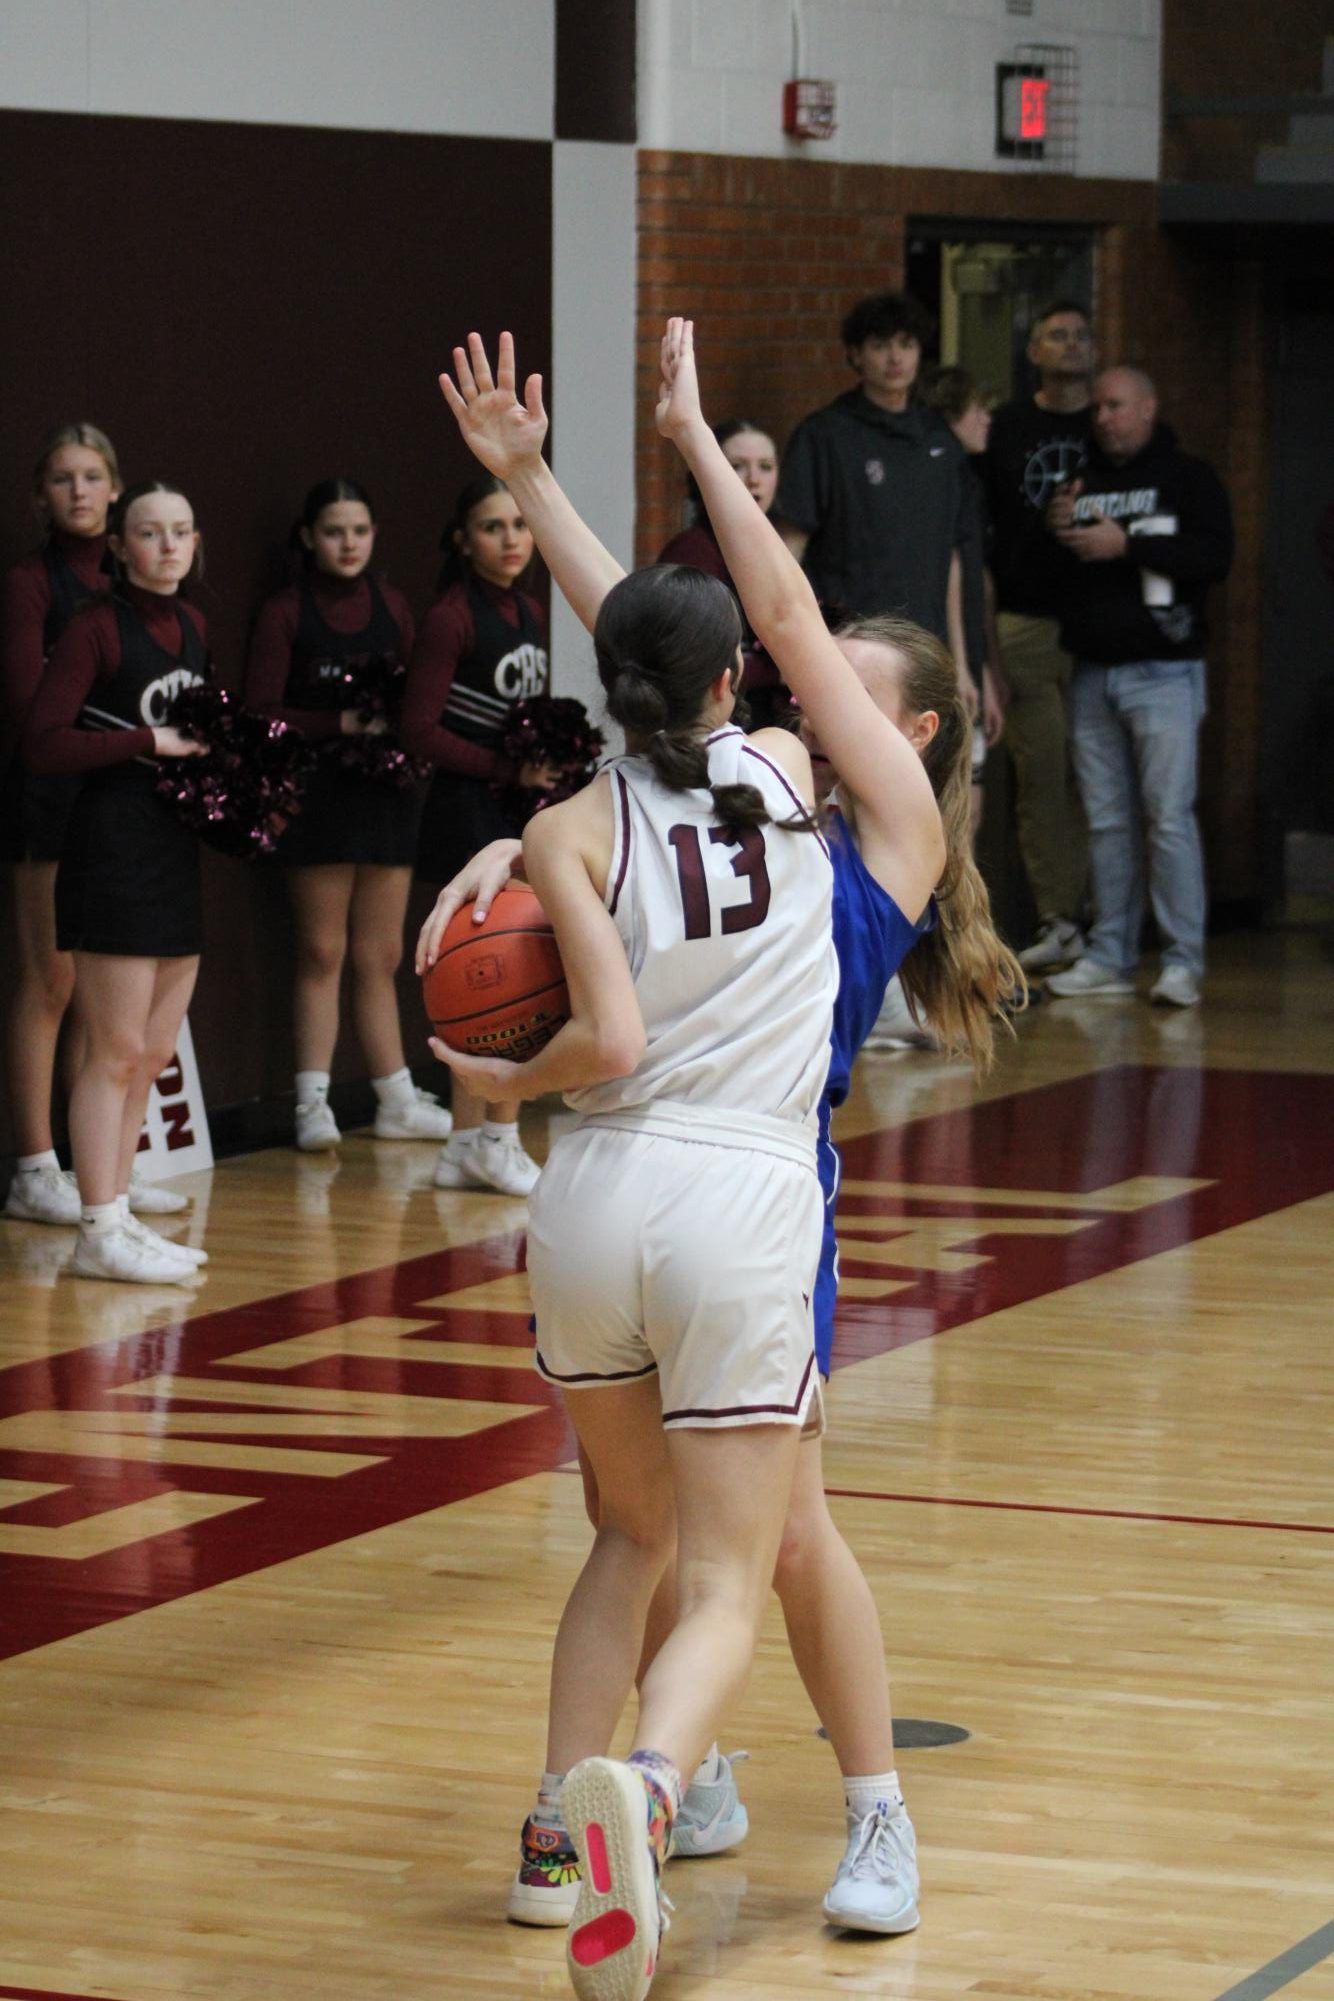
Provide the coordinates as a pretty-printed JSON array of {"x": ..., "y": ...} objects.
[{"x": 175, "y": 1138}]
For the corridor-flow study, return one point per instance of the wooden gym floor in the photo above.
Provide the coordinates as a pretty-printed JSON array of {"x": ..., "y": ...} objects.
[{"x": 280, "y": 1561}]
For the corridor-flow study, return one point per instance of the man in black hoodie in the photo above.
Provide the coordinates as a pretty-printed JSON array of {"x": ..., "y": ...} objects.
[
  {"x": 875, "y": 501},
  {"x": 1151, "y": 529}
]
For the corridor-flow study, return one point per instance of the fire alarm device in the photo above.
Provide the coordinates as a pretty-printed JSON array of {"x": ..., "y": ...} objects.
[{"x": 810, "y": 109}]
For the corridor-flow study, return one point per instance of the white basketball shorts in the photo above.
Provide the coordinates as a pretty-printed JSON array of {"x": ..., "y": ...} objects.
[{"x": 683, "y": 1242}]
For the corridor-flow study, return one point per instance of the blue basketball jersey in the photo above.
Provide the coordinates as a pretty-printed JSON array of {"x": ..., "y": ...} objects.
[{"x": 872, "y": 938}]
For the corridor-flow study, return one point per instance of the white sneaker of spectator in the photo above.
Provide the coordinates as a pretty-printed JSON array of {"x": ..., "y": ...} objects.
[
  {"x": 1058, "y": 943},
  {"x": 1176, "y": 986},
  {"x": 895, "y": 1026},
  {"x": 1089, "y": 976}
]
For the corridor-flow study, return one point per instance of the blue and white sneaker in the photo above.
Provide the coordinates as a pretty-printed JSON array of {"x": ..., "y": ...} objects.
[
  {"x": 711, "y": 1818},
  {"x": 876, "y": 1887}
]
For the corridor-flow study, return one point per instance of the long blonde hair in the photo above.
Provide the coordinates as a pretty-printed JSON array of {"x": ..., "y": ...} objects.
[
  {"x": 87, "y": 435},
  {"x": 958, "y": 978}
]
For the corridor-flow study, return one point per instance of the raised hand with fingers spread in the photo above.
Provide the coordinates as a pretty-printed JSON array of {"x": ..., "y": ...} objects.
[{"x": 504, "y": 433}]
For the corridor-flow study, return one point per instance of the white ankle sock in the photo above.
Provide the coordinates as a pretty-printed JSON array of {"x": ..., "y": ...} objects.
[
  {"x": 710, "y": 1768},
  {"x": 548, "y": 1799},
  {"x": 395, "y": 1089},
  {"x": 100, "y": 1218},
  {"x": 863, "y": 1796},
  {"x": 32, "y": 1163},
  {"x": 311, "y": 1086},
  {"x": 498, "y": 1132}
]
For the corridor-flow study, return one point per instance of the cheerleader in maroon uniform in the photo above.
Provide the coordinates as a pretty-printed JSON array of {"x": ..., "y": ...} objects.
[
  {"x": 128, "y": 903},
  {"x": 349, "y": 853},
  {"x": 75, "y": 481},
  {"x": 482, "y": 650}
]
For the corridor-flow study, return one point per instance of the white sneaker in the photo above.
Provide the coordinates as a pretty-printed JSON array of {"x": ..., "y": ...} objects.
[
  {"x": 1058, "y": 943},
  {"x": 611, "y": 1952},
  {"x": 150, "y": 1198},
  {"x": 876, "y": 1887},
  {"x": 157, "y": 1242},
  {"x": 711, "y": 1818},
  {"x": 1089, "y": 976},
  {"x": 43, "y": 1195},
  {"x": 422, "y": 1116},
  {"x": 1176, "y": 986},
  {"x": 895, "y": 1027},
  {"x": 316, "y": 1126},
  {"x": 472, "y": 1161},
  {"x": 119, "y": 1254}
]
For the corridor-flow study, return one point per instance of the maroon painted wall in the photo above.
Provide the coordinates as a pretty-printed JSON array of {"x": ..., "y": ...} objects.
[{"x": 247, "y": 309}]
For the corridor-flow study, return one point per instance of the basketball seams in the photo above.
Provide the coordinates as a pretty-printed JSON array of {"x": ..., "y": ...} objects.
[{"x": 488, "y": 1013}]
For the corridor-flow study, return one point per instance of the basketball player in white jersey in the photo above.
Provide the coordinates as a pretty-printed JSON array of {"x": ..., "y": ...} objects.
[{"x": 674, "y": 1241}]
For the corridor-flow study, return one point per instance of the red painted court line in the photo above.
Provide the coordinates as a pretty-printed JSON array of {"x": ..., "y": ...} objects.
[
  {"x": 46, "y": 1994},
  {"x": 1100, "y": 1514}
]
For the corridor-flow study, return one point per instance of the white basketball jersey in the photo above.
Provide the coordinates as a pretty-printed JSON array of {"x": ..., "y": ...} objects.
[{"x": 728, "y": 935}]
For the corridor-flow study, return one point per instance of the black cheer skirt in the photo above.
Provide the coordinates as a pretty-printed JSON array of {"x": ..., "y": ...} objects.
[
  {"x": 347, "y": 817},
  {"x": 461, "y": 816},
  {"x": 34, "y": 812},
  {"x": 128, "y": 881}
]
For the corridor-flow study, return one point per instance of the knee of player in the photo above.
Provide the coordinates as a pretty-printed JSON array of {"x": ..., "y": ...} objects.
[
  {"x": 648, "y": 1529},
  {"x": 807, "y": 1524}
]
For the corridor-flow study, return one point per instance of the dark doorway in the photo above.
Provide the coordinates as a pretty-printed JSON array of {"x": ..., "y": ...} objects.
[{"x": 985, "y": 283}]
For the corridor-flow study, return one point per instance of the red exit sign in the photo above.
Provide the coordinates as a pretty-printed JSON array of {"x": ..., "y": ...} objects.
[{"x": 1022, "y": 110}]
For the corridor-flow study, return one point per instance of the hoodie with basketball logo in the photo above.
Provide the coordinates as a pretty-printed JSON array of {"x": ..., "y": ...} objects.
[{"x": 1148, "y": 604}]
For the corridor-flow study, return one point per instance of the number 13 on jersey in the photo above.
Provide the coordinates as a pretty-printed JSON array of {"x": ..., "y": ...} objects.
[{"x": 748, "y": 865}]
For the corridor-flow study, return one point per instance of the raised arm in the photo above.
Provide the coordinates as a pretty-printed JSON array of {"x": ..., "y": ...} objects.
[
  {"x": 873, "y": 759},
  {"x": 507, "y": 435}
]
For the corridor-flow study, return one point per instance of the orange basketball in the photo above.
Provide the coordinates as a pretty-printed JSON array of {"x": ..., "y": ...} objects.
[{"x": 498, "y": 988}]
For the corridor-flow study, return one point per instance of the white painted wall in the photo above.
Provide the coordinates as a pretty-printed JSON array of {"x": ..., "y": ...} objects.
[
  {"x": 593, "y": 370},
  {"x": 465, "y": 67},
  {"x": 916, "y": 78}
]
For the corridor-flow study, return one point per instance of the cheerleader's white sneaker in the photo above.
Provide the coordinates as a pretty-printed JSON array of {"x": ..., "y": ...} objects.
[
  {"x": 157, "y": 1242},
  {"x": 150, "y": 1198},
  {"x": 418, "y": 1116},
  {"x": 876, "y": 1887},
  {"x": 475, "y": 1160},
  {"x": 120, "y": 1254},
  {"x": 316, "y": 1126},
  {"x": 43, "y": 1195}
]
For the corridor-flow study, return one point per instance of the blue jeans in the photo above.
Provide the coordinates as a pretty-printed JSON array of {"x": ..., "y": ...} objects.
[{"x": 1134, "y": 739}]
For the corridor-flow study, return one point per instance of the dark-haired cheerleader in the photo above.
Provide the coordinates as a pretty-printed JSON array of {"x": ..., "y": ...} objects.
[
  {"x": 316, "y": 649},
  {"x": 481, "y": 651}
]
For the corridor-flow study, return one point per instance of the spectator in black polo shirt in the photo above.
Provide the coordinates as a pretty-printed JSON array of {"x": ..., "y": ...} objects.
[{"x": 874, "y": 498}]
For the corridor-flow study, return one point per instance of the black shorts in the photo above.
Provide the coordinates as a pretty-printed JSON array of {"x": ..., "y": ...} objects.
[
  {"x": 128, "y": 881},
  {"x": 346, "y": 817},
  {"x": 34, "y": 812},
  {"x": 462, "y": 815}
]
